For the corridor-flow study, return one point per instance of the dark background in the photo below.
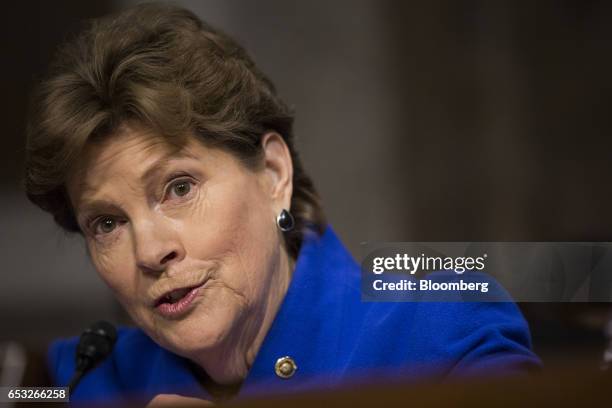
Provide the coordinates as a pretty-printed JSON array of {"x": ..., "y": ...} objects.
[{"x": 440, "y": 121}]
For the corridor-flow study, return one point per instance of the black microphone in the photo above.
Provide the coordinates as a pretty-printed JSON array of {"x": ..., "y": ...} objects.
[{"x": 95, "y": 344}]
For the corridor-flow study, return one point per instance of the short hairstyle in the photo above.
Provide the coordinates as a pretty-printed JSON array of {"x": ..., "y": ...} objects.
[{"x": 162, "y": 67}]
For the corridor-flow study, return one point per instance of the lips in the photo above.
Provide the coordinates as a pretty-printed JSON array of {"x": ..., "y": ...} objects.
[
  {"x": 174, "y": 296},
  {"x": 177, "y": 302}
]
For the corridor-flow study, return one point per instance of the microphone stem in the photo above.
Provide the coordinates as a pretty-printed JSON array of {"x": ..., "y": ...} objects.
[{"x": 78, "y": 374}]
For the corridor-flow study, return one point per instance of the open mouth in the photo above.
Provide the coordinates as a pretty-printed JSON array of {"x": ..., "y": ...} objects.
[
  {"x": 177, "y": 303},
  {"x": 175, "y": 296}
]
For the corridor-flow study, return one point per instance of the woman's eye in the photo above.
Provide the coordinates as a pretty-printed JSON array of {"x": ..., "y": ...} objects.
[
  {"x": 105, "y": 225},
  {"x": 180, "y": 188}
]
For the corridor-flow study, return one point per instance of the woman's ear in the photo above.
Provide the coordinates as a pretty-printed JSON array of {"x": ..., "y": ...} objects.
[{"x": 278, "y": 168}]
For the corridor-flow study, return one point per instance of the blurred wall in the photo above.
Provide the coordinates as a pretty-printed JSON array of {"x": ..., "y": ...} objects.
[
  {"x": 445, "y": 120},
  {"x": 48, "y": 286}
]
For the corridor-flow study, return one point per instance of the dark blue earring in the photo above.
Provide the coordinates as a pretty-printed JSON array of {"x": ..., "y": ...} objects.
[{"x": 285, "y": 221}]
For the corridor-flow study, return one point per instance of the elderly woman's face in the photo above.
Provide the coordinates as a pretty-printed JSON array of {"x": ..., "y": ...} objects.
[{"x": 184, "y": 236}]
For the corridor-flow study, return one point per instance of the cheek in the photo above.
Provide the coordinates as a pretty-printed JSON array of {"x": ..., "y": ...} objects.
[
  {"x": 114, "y": 267},
  {"x": 235, "y": 226}
]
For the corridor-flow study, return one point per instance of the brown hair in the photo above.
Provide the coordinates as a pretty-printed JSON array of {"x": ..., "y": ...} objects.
[{"x": 161, "y": 66}]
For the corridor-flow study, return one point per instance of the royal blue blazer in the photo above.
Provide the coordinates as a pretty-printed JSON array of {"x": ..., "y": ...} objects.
[{"x": 333, "y": 337}]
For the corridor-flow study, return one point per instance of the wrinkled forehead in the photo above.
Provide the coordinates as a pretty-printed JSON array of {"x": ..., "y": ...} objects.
[{"x": 130, "y": 153}]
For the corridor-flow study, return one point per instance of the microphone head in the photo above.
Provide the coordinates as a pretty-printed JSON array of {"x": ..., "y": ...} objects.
[{"x": 95, "y": 344}]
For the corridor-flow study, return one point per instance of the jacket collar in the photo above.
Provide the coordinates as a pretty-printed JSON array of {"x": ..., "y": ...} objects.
[{"x": 307, "y": 323}]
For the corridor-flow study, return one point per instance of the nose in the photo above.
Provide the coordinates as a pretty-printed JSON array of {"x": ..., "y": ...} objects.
[{"x": 157, "y": 245}]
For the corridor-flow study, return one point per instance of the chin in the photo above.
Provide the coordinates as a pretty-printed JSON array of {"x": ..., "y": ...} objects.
[{"x": 196, "y": 333}]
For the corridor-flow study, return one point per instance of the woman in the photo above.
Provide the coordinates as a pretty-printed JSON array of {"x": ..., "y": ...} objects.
[{"x": 157, "y": 138}]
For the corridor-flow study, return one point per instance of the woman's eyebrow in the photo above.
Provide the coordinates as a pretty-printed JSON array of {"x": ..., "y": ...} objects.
[
  {"x": 150, "y": 174},
  {"x": 95, "y": 205},
  {"x": 162, "y": 164}
]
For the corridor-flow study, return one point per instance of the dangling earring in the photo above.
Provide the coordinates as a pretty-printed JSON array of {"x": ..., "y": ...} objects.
[{"x": 285, "y": 221}]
